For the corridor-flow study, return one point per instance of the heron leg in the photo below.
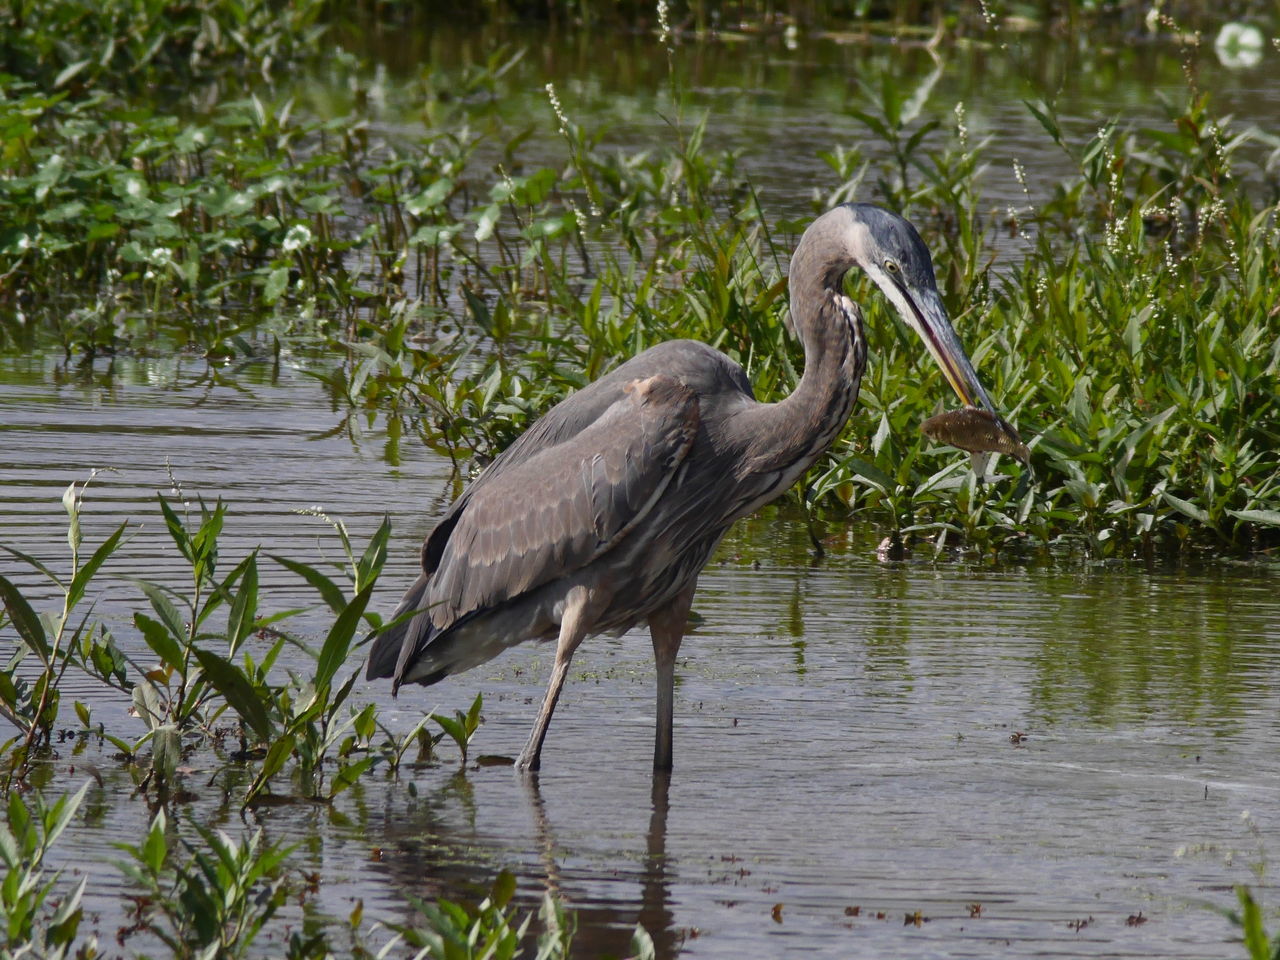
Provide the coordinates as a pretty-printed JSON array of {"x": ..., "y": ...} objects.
[
  {"x": 666, "y": 628},
  {"x": 573, "y": 628}
]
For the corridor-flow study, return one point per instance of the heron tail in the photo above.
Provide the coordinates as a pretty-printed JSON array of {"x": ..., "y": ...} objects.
[{"x": 396, "y": 648}]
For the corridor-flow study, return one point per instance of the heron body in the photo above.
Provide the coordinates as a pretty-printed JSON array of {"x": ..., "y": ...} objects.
[{"x": 603, "y": 513}]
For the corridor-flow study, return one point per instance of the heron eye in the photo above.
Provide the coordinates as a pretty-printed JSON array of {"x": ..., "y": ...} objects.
[{"x": 891, "y": 265}]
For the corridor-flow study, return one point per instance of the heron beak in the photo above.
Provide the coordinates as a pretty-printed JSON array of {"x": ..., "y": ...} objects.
[{"x": 929, "y": 317}]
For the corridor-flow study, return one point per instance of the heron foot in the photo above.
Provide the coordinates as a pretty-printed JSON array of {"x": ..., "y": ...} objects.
[{"x": 528, "y": 762}]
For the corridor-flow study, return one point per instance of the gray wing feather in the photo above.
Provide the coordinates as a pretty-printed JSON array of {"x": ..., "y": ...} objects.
[
  {"x": 544, "y": 538},
  {"x": 556, "y": 511}
]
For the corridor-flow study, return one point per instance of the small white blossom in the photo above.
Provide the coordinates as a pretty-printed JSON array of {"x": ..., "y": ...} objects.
[{"x": 299, "y": 236}]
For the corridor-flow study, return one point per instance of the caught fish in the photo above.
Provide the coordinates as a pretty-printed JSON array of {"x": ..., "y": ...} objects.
[{"x": 976, "y": 431}]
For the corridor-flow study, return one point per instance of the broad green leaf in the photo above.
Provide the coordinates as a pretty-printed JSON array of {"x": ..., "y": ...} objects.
[
  {"x": 429, "y": 198},
  {"x": 375, "y": 554},
  {"x": 338, "y": 643},
  {"x": 328, "y": 590},
  {"x": 504, "y": 888},
  {"x": 81, "y": 580},
  {"x": 155, "y": 848},
  {"x": 124, "y": 746},
  {"x": 871, "y": 474},
  {"x": 883, "y": 432},
  {"x": 1270, "y": 518},
  {"x": 68, "y": 72},
  {"x": 1044, "y": 114},
  {"x": 230, "y": 681},
  {"x": 1185, "y": 508},
  {"x": 348, "y": 774},
  {"x": 177, "y": 529},
  {"x": 160, "y": 640},
  {"x": 453, "y": 727},
  {"x": 71, "y": 503},
  {"x": 28, "y": 624},
  {"x": 277, "y": 283},
  {"x": 277, "y": 756},
  {"x": 8, "y": 692},
  {"x": 473, "y": 714},
  {"x": 166, "y": 751},
  {"x": 62, "y": 812},
  {"x": 245, "y": 605},
  {"x": 164, "y": 608}
]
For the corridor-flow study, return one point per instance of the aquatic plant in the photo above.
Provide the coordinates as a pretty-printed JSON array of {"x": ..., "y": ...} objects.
[
  {"x": 1249, "y": 919},
  {"x": 200, "y": 891},
  {"x": 39, "y": 918},
  {"x": 489, "y": 929},
  {"x": 204, "y": 900},
  {"x": 56, "y": 640},
  {"x": 63, "y": 44},
  {"x": 462, "y": 726}
]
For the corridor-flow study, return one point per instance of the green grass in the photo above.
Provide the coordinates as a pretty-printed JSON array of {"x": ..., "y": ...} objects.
[{"x": 1131, "y": 343}]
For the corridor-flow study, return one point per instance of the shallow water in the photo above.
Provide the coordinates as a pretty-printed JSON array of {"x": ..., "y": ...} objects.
[
  {"x": 846, "y": 728},
  {"x": 780, "y": 107}
]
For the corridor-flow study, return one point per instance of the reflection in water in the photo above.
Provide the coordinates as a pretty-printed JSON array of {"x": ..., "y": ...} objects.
[
  {"x": 655, "y": 913},
  {"x": 438, "y": 857},
  {"x": 606, "y": 928},
  {"x": 1172, "y": 648}
]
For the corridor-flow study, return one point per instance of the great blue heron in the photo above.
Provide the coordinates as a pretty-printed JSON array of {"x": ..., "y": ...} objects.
[{"x": 603, "y": 513}]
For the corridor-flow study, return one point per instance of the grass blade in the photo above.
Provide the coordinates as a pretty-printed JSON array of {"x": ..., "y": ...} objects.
[{"x": 337, "y": 645}]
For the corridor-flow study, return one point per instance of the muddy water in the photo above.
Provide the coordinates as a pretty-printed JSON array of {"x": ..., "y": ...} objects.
[{"x": 1034, "y": 760}]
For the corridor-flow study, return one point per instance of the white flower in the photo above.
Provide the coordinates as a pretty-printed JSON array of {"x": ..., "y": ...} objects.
[{"x": 299, "y": 236}]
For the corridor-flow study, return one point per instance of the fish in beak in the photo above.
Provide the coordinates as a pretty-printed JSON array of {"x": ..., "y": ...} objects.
[{"x": 978, "y": 426}]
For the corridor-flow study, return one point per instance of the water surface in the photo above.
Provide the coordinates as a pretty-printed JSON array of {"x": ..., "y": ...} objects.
[{"x": 1040, "y": 760}]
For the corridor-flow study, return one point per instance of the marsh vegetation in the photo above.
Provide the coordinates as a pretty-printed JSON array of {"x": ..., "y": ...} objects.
[{"x": 446, "y": 249}]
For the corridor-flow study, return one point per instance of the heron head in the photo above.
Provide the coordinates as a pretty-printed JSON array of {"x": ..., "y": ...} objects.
[{"x": 889, "y": 251}]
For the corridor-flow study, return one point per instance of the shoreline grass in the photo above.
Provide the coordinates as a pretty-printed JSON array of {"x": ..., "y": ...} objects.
[{"x": 438, "y": 277}]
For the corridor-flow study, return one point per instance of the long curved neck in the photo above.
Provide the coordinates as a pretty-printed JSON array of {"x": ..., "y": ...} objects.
[{"x": 790, "y": 435}]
